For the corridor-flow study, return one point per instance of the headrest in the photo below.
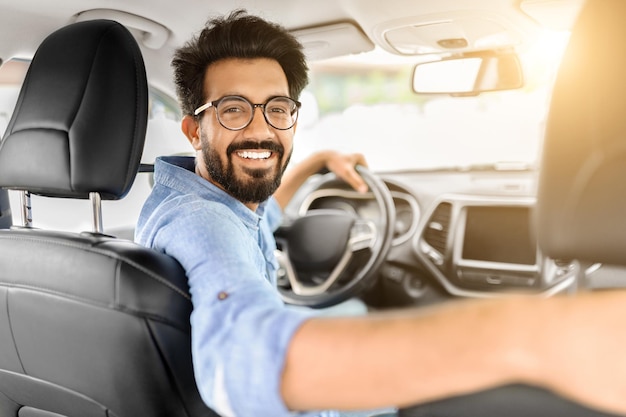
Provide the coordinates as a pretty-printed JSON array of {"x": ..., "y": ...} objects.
[
  {"x": 80, "y": 119},
  {"x": 581, "y": 211}
]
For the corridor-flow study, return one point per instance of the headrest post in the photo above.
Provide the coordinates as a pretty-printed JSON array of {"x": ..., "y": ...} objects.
[
  {"x": 27, "y": 214},
  {"x": 96, "y": 205}
]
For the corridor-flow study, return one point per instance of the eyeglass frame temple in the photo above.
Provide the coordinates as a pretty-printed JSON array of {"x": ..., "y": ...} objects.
[{"x": 202, "y": 108}]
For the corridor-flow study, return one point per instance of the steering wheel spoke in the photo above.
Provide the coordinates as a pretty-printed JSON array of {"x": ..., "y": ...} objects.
[
  {"x": 363, "y": 235},
  {"x": 304, "y": 290}
]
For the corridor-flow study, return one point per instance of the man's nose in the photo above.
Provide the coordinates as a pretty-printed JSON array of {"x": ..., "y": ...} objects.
[{"x": 258, "y": 120}]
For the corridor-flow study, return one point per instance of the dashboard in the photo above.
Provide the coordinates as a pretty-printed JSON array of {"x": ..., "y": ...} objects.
[{"x": 455, "y": 234}]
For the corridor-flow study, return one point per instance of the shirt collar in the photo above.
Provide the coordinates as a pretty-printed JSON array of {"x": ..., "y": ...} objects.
[{"x": 178, "y": 173}]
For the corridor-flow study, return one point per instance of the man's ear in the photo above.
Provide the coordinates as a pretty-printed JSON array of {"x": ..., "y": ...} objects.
[{"x": 191, "y": 129}]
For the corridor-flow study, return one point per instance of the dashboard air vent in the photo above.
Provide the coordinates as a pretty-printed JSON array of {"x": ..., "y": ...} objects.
[{"x": 436, "y": 233}]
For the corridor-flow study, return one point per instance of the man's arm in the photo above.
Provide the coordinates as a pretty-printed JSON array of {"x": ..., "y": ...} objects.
[
  {"x": 341, "y": 164},
  {"x": 572, "y": 345}
]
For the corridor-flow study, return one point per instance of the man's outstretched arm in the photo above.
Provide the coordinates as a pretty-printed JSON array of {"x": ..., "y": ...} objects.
[{"x": 571, "y": 345}]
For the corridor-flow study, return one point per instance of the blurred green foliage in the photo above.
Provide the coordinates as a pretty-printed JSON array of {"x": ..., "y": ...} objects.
[{"x": 338, "y": 89}]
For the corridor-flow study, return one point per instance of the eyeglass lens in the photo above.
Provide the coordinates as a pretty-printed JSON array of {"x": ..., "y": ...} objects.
[{"x": 236, "y": 112}]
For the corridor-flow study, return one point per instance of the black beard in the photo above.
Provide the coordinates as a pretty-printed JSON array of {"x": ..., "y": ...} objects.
[{"x": 255, "y": 190}]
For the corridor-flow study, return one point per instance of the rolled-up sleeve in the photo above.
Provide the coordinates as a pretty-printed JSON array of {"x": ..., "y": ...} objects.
[{"x": 240, "y": 328}]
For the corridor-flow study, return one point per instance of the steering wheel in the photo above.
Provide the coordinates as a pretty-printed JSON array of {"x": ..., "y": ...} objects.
[{"x": 329, "y": 255}]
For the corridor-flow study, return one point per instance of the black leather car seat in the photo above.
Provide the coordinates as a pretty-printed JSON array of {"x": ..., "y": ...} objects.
[
  {"x": 582, "y": 187},
  {"x": 90, "y": 325}
]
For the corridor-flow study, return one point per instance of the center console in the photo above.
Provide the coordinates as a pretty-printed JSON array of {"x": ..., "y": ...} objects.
[{"x": 481, "y": 246}]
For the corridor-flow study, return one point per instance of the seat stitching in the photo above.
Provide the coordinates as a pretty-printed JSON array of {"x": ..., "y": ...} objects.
[
  {"x": 111, "y": 254},
  {"x": 92, "y": 301},
  {"x": 17, "y": 352}
]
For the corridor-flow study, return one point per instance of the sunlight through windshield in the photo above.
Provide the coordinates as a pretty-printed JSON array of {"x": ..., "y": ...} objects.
[{"x": 365, "y": 104}]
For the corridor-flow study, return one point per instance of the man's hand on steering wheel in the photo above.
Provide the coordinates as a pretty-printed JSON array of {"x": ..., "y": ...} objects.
[{"x": 344, "y": 167}]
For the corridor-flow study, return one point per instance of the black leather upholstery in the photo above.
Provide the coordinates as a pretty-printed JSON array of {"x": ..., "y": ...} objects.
[
  {"x": 90, "y": 326},
  {"x": 79, "y": 124},
  {"x": 582, "y": 188}
]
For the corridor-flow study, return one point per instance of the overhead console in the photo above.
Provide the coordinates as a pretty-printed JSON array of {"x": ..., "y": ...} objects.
[{"x": 484, "y": 246}]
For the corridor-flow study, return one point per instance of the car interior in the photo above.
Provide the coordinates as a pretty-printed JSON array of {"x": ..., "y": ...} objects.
[{"x": 92, "y": 324}]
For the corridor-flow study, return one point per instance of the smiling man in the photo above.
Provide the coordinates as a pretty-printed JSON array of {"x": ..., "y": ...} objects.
[
  {"x": 238, "y": 83},
  {"x": 216, "y": 213}
]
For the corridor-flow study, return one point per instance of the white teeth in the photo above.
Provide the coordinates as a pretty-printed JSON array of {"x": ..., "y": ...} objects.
[{"x": 255, "y": 155}]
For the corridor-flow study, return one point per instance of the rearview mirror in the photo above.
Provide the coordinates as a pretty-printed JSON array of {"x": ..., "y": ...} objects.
[{"x": 470, "y": 74}]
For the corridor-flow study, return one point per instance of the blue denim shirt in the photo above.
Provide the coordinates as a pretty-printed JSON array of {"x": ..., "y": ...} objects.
[{"x": 240, "y": 326}]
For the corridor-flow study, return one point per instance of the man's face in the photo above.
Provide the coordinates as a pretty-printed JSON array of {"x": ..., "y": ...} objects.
[{"x": 247, "y": 163}]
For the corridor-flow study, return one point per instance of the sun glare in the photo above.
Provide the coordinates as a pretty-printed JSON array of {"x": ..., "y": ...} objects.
[{"x": 543, "y": 56}]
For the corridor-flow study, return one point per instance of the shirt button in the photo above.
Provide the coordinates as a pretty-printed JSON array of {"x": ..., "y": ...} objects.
[{"x": 222, "y": 295}]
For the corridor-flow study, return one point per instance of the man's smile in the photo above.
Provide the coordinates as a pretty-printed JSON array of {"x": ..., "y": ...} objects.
[
  {"x": 260, "y": 154},
  {"x": 256, "y": 155}
]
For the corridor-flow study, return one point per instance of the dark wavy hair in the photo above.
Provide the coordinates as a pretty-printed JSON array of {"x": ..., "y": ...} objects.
[{"x": 237, "y": 35}]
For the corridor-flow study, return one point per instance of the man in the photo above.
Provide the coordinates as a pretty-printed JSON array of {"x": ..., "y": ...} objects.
[{"x": 238, "y": 83}]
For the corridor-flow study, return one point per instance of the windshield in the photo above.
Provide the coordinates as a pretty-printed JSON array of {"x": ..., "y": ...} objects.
[{"x": 365, "y": 104}]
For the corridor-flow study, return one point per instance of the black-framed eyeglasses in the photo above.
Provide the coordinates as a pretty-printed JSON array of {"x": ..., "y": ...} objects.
[{"x": 236, "y": 112}]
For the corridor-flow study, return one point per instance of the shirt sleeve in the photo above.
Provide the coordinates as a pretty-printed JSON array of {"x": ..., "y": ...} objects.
[{"x": 240, "y": 327}]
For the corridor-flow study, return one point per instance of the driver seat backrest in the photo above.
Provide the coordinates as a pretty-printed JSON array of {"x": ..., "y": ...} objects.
[{"x": 90, "y": 325}]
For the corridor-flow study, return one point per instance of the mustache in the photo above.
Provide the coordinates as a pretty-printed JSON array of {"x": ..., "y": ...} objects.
[{"x": 267, "y": 145}]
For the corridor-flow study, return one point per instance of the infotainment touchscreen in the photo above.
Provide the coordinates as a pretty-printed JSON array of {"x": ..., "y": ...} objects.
[{"x": 499, "y": 234}]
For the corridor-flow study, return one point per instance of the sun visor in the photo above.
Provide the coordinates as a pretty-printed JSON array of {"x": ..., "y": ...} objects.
[
  {"x": 329, "y": 41},
  {"x": 553, "y": 14},
  {"x": 149, "y": 33}
]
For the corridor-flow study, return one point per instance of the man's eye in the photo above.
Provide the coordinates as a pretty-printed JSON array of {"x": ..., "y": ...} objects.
[
  {"x": 278, "y": 109},
  {"x": 232, "y": 109}
]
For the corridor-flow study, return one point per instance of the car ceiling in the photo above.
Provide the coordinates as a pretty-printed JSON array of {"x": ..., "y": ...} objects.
[{"x": 326, "y": 27}]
